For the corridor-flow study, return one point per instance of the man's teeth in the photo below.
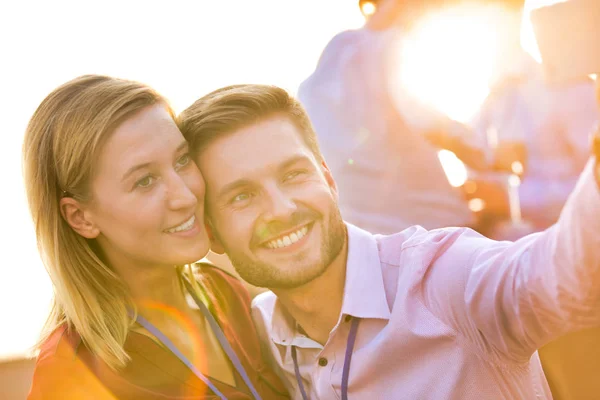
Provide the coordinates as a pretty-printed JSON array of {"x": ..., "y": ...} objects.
[
  {"x": 287, "y": 240},
  {"x": 183, "y": 227}
]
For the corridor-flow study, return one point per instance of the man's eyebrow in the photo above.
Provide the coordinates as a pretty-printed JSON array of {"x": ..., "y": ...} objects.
[
  {"x": 183, "y": 145},
  {"x": 293, "y": 160}
]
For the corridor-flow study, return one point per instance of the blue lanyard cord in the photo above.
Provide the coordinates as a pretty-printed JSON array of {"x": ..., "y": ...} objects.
[
  {"x": 297, "y": 372},
  {"x": 347, "y": 361},
  {"x": 167, "y": 342},
  {"x": 223, "y": 340},
  {"x": 220, "y": 337},
  {"x": 348, "y": 357}
]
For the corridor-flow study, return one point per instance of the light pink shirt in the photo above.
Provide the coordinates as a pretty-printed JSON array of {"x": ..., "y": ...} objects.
[{"x": 449, "y": 314}]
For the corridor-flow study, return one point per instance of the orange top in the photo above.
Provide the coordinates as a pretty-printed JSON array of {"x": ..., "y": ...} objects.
[{"x": 66, "y": 369}]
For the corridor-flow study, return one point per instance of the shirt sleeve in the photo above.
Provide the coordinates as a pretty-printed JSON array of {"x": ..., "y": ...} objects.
[{"x": 508, "y": 299}]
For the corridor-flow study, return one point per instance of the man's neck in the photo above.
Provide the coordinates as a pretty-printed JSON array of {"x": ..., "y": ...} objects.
[{"x": 316, "y": 306}]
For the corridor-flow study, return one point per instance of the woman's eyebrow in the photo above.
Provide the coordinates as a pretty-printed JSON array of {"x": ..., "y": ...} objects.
[{"x": 183, "y": 145}]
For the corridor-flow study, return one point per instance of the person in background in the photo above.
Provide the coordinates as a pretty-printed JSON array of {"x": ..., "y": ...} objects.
[
  {"x": 118, "y": 209},
  {"x": 551, "y": 122},
  {"x": 441, "y": 314},
  {"x": 377, "y": 145}
]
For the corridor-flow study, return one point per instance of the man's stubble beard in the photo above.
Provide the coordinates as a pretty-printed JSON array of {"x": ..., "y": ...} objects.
[{"x": 269, "y": 276}]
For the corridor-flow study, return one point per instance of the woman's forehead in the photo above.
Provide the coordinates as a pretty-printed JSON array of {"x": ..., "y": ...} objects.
[{"x": 148, "y": 135}]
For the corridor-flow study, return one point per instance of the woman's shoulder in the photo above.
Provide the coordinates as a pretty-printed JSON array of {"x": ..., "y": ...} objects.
[
  {"x": 224, "y": 286},
  {"x": 62, "y": 344},
  {"x": 208, "y": 268},
  {"x": 60, "y": 371}
]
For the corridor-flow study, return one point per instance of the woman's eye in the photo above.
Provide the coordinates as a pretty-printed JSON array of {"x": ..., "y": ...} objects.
[
  {"x": 183, "y": 160},
  {"x": 145, "y": 182}
]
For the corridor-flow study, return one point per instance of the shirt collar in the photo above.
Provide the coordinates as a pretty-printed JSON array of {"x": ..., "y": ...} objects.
[
  {"x": 364, "y": 291},
  {"x": 286, "y": 332}
]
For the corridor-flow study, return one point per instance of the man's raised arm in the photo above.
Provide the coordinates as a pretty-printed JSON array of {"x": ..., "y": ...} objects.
[{"x": 508, "y": 299}]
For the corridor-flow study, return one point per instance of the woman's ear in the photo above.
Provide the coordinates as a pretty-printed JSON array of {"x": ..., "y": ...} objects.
[
  {"x": 215, "y": 243},
  {"x": 76, "y": 216}
]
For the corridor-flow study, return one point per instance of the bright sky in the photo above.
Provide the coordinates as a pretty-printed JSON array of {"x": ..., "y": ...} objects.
[{"x": 183, "y": 48}]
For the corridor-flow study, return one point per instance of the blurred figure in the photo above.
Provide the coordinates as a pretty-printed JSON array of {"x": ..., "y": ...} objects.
[
  {"x": 552, "y": 123},
  {"x": 378, "y": 149}
]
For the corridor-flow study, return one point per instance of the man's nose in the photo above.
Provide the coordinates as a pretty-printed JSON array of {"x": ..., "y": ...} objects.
[{"x": 279, "y": 205}]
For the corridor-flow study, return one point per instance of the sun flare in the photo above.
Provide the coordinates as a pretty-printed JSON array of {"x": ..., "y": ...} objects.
[{"x": 449, "y": 58}]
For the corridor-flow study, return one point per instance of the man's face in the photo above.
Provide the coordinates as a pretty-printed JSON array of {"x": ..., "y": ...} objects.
[{"x": 271, "y": 205}]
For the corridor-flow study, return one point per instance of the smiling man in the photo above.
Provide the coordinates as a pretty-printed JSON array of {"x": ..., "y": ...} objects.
[{"x": 443, "y": 314}]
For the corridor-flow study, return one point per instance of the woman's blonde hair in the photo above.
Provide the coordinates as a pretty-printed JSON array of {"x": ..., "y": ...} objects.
[{"x": 61, "y": 147}]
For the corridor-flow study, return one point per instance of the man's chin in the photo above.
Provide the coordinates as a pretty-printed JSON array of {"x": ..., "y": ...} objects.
[{"x": 274, "y": 278}]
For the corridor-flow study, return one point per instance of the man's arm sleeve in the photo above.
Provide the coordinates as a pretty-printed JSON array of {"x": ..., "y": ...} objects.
[{"x": 509, "y": 299}]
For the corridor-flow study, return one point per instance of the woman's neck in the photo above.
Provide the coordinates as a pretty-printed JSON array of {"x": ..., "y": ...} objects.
[{"x": 154, "y": 288}]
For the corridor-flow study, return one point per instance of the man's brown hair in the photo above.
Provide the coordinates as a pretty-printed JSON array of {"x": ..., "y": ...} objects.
[{"x": 230, "y": 108}]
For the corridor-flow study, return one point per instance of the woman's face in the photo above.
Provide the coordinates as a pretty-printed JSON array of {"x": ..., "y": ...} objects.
[{"x": 147, "y": 201}]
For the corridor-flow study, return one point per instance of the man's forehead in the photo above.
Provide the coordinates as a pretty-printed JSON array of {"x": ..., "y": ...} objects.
[{"x": 258, "y": 147}]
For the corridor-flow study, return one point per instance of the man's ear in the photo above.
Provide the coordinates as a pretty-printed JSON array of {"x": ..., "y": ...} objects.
[
  {"x": 329, "y": 178},
  {"x": 78, "y": 219},
  {"x": 215, "y": 243}
]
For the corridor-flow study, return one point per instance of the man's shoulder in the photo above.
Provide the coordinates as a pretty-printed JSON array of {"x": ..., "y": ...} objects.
[
  {"x": 391, "y": 247},
  {"x": 394, "y": 243}
]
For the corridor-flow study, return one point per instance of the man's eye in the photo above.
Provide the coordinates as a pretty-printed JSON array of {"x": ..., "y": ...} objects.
[
  {"x": 293, "y": 174},
  {"x": 240, "y": 197},
  {"x": 183, "y": 161},
  {"x": 145, "y": 182}
]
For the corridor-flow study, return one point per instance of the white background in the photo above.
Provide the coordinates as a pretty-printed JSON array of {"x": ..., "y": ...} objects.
[{"x": 182, "y": 48}]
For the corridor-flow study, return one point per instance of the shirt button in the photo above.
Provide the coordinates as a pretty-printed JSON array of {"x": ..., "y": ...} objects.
[
  {"x": 322, "y": 361},
  {"x": 348, "y": 318}
]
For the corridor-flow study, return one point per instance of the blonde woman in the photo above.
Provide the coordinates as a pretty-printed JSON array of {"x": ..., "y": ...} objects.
[{"x": 117, "y": 205}]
